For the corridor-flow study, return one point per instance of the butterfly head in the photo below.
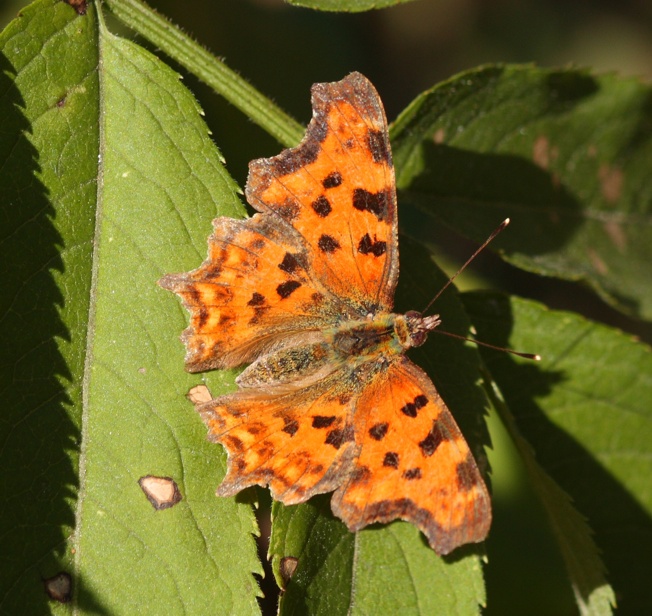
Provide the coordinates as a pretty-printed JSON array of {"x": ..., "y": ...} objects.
[{"x": 412, "y": 328}]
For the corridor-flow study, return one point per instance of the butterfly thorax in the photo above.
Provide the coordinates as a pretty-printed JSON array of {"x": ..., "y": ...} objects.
[{"x": 382, "y": 334}]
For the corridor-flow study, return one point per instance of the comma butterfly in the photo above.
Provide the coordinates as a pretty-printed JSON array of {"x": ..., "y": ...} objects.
[{"x": 303, "y": 291}]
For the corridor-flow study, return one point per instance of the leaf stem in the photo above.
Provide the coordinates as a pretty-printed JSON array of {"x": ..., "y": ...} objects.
[{"x": 159, "y": 31}]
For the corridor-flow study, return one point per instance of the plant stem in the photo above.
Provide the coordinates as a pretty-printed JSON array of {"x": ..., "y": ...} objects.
[{"x": 211, "y": 70}]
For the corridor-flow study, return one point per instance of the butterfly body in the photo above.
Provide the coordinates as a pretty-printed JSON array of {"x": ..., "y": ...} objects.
[{"x": 303, "y": 292}]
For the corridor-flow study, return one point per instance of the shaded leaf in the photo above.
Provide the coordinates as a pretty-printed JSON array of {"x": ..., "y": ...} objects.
[
  {"x": 349, "y": 6},
  {"x": 564, "y": 153},
  {"x": 48, "y": 169},
  {"x": 586, "y": 409},
  {"x": 161, "y": 182}
]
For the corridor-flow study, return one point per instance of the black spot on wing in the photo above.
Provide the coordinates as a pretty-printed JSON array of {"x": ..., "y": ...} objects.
[
  {"x": 377, "y": 142},
  {"x": 322, "y": 206},
  {"x": 466, "y": 474},
  {"x": 434, "y": 438},
  {"x": 291, "y": 426},
  {"x": 378, "y": 431},
  {"x": 290, "y": 161},
  {"x": 234, "y": 443},
  {"x": 332, "y": 180},
  {"x": 289, "y": 264},
  {"x": 202, "y": 316},
  {"x": 411, "y": 408},
  {"x": 375, "y": 203},
  {"x": 391, "y": 459},
  {"x": 367, "y": 246},
  {"x": 321, "y": 421},
  {"x": 286, "y": 289},
  {"x": 338, "y": 436},
  {"x": 412, "y": 473},
  {"x": 328, "y": 243},
  {"x": 256, "y": 299}
]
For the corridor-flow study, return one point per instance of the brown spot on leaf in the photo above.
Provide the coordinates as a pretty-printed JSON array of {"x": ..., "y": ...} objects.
[
  {"x": 611, "y": 183},
  {"x": 598, "y": 264},
  {"x": 161, "y": 492},
  {"x": 541, "y": 152},
  {"x": 199, "y": 394},
  {"x": 59, "y": 587},
  {"x": 616, "y": 234},
  {"x": 287, "y": 567}
]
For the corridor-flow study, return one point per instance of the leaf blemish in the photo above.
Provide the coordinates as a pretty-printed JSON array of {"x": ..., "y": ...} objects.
[
  {"x": 611, "y": 182},
  {"x": 616, "y": 234},
  {"x": 161, "y": 492},
  {"x": 439, "y": 136},
  {"x": 542, "y": 153},
  {"x": 598, "y": 264}
]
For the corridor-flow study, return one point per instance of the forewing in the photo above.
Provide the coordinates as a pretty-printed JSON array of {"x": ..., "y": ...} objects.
[
  {"x": 299, "y": 443},
  {"x": 337, "y": 190},
  {"x": 252, "y": 290},
  {"x": 414, "y": 464}
]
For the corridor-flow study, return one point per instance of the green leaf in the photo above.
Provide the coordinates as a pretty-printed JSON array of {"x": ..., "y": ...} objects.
[
  {"x": 48, "y": 169},
  {"x": 563, "y": 153},
  {"x": 586, "y": 409},
  {"x": 352, "y": 6},
  {"x": 380, "y": 570},
  {"x": 91, "y": 343},
  {"x": 390, "y": 568}
]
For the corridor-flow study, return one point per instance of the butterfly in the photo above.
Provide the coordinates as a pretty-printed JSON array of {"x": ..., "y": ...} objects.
[{"x": 303, "y": 293}]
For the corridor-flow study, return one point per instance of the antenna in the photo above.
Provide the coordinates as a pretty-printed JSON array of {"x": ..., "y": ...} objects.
[
  {"x": 533, "y": 356},
  {"x": 473, "y": 256},
  {"x": 496, "y": 231}
]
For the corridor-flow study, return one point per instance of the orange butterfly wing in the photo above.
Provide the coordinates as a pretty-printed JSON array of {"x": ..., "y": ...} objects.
[
  {"x": 303, "y": 289},
  {"x": 414, "y": 463},
  {"x": 324, "y": 245},
  {"x": 300, "y": 442},
  {"x": 337, "y": 190}
]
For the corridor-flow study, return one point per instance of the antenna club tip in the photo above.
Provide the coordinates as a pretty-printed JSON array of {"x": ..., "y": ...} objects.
[
  {"x": 506, "y": 222},
  {"x": 536, "y": 357}
]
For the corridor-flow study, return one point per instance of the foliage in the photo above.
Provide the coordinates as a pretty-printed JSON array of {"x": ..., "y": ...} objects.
[{"x": 110, "y": 179}]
